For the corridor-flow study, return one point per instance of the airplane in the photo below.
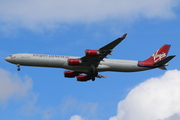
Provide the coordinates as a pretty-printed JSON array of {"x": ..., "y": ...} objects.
[{"x": 95, "y": 60}]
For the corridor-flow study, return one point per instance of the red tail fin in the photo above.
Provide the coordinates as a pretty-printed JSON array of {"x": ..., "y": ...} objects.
[{"x": 156, "y": 57}]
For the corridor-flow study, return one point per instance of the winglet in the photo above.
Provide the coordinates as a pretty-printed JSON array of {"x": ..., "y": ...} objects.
[
  {"x": 124, "y": 35},
  {"x": 113, "y": 44}
]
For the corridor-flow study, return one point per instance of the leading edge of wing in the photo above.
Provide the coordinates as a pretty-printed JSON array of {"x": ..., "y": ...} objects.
[
  {"x": 113, "y": 44},
  {"x": 104, "y": 51}
]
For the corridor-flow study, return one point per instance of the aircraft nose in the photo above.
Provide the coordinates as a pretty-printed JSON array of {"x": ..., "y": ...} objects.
[{"x": 7, "y": 59}]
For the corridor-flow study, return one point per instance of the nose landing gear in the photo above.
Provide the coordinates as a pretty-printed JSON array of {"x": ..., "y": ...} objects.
[{"x": 18, "y": 69}]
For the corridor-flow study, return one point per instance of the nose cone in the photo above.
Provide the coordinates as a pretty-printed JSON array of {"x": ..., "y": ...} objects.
[
  {"x": 7, "y": 59},
  {"x": 10, "y": 59}
]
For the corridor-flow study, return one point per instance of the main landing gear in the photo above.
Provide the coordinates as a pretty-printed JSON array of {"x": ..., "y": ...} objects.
[
  {"x": 93, "y": 78},
  {"x": 18, "y": 69},
  {"x": 93, "y": 75},
  {"x": 93, "y": 72}
]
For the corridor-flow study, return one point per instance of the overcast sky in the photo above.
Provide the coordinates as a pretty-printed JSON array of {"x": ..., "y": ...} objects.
[{"x": 69, "y": 28}]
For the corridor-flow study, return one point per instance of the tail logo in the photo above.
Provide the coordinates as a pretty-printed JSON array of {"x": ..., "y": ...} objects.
[{"x": 157, "y": 57}]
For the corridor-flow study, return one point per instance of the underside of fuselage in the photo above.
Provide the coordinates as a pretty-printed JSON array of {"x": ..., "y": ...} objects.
[{"x": 115, "y": 65}]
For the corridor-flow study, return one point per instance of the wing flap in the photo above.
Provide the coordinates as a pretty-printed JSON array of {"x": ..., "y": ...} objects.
[{"x": 101, "y": 76}]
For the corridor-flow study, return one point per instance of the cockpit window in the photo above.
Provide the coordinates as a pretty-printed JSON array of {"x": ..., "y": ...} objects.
[{"x": 11, "y": 56}]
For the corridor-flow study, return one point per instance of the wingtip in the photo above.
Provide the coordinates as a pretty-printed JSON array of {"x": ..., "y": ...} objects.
[{"x": 124, "y": 35}]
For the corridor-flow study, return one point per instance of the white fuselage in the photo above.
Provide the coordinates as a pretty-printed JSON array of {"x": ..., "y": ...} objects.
[{"x": 57, "y": 61}]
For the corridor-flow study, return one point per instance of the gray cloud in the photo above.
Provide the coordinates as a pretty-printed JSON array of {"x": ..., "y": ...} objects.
[
  {"x": 13, "y": 87},
  {"x": 35, "y": 14},
  {"x": 155, "y": 99},
  {"x": 175, "y": 116}
]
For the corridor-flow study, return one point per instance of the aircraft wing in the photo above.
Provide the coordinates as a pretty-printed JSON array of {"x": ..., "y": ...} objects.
[
  {"x": 103, "y": 52},
  {"x": 113, "y": 44}
]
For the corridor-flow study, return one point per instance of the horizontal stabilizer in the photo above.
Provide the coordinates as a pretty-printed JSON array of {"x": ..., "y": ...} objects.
[
  {"x": 164, "y": 61},
  {"x": 162, "y": 68}
]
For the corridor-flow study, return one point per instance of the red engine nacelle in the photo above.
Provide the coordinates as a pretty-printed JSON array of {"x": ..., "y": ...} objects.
[
  {"x": 92, "y": 52},
  {"x": 70, "y": 74},
  {"x": 82, "y": 78},
  {"x": 74, "y": 62}
]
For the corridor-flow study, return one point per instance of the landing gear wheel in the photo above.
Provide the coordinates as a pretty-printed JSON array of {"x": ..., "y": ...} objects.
[
  {"x": 93, "y": 72},
  {"x": 18, "y": 68},
  {"x": 93, "y": 78},
  {"x": 18, "y": 65}
]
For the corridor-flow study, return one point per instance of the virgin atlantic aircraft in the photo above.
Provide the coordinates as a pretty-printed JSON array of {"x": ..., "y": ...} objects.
[{"x": 95, "y": 61}]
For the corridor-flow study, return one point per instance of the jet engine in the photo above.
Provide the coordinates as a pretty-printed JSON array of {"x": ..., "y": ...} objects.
[
  {"x": 82, "y": 78},
  {"x": 92, "y": 52},
  {"x": 74, "y": 62},
  {"x": 70, "y": 74}
]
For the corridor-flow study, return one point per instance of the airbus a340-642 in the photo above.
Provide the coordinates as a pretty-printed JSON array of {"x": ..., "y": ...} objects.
[{"x": 88, "y": 67}]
